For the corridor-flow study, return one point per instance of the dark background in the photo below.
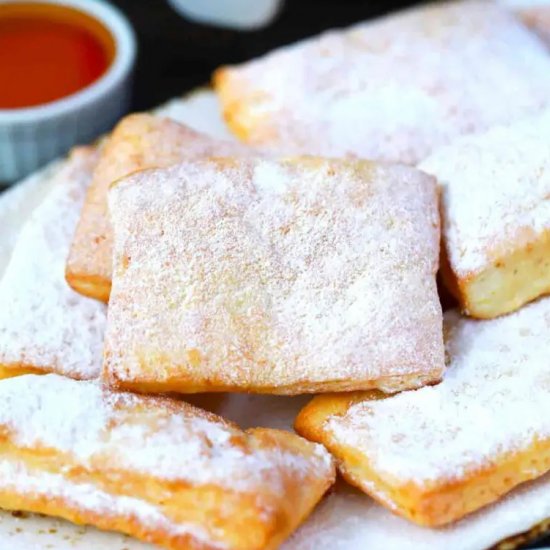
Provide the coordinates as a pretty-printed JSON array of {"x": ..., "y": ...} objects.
[{"x": 176, "y": 56}]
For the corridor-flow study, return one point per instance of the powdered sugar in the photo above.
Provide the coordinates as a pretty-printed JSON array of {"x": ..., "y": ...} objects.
[
  {"x": 286, "y": 277},
  {"x": 139, "y": 141},
  {"x": 391, "y": 89},
  {"x": 345, "y": 519},
  {"x": 17, "y": 205},
  {"x": 494, "y": 399},
  {"x": 43, "y": 323},
  {"x": 85, "y": 497},
  {"x": 496, "y": 189},
  {"x": 166, "y": 439}
]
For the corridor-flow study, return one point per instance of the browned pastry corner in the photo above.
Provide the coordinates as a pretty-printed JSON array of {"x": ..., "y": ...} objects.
[
  {"x": 495, "y": 216},
  {"x": 157, "y": 469},
  {"x": 44, "y": 325},
  {"x": 139, "y": 141},
  {"x": 439, "y": 453},
  {"x": 538, "y": 19},
  {"x": 293, "y": 276},
  {"x": 391, "y": 89}
]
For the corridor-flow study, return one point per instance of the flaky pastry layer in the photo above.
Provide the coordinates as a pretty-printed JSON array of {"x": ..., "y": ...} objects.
[
  {"x": 157, "y": 469},
  {"x": 139, "y": 141},
  {"x": 439, "y": 453},
  {"x": 495, "y": 216},
  {"x": 286, "y": 277},
  {"x": 390, "y": 89}
]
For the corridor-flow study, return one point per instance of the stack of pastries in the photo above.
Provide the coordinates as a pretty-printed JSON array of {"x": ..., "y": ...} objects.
[{"x": 303, "y": 259}]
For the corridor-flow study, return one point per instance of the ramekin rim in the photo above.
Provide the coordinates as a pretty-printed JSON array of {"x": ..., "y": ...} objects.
[{"x": 123, "y": 62}]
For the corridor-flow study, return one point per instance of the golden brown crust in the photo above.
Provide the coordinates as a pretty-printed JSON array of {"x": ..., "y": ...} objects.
[
  {"x": 436, "y": 454},
  {"x": 513, "y": 276},
  {"x": 244, "y": 282},
  {"x": 237, "y": 105},
  {"x": 154, "y": 468},
  {"x": 344, "y": 92},
  {"x": 496, "y": 247},
  {"x": 139, "y": 141},
  {"x": 431, "y": 505},
  {"x": 538, "y": 18},
  {"x": 44, "y": 325}
]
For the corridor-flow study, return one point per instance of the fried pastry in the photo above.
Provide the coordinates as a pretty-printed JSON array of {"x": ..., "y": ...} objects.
[
  {"x": 390, "y": 89},
  {"x": 158, "y": 469},
  {"x": 535, "y": 14},
  {"x": 438, "y": 453},
  {"x": 17, "y": 205},
  {"x": 139, "y": 141},
  {"x": 496, "y": 216},
  {"x": 285, "y": 277},
  {"x": 44, "y": 325}
]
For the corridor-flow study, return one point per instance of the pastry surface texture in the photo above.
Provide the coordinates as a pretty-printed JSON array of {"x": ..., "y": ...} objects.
[
  {"x": 496, "y": 216},
  {"x": 155, "y": 468},
  {"x": 18, "y": 203},
  {"x": 438, "y": 453},
  {"x": 392, "y": 89},
  {"x": 44, "y": 325},
  {"x": 138, "y": 142},
  {"x": 290, "y": 276},
  {"x": 346, "y": 518}
]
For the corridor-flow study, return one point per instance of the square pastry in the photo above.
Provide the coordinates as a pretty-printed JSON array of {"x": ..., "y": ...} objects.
[
  {"x": 157, "y": 469},
  {"x": 44, "y": 325},
  {"x": 292, "y": 276},
  {"x": 496, "y": 216},
  {"x": 439, "y": 453},
  {"x": 138, "y": 142},
  {"x": 390, "y": 89}
]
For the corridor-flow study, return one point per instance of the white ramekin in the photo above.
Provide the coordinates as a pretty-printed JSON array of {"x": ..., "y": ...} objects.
[
  {"x": 234, "y": 14},
  {"x": 30, "y": 137}
]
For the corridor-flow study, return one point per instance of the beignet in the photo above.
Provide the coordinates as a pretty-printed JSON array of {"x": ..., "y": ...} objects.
[
  {"x": 496, "y": 216},
  {"x": 392, "y": 89},
  {"x": 157, "y": 469},
  {"x": 44, "y": 325},
  {"x": 438, "y": 453},
  {"x": 292, "y": 276},
  {"x": 139, "y": 141}
]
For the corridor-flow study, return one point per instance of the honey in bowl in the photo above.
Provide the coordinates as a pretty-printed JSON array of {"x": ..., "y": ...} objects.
[{"x": 48, "y": 52}]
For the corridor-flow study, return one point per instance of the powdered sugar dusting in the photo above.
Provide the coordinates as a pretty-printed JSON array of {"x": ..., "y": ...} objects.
[
  {"x": 391, "y": 89},
  {"x": 496, "y": 190},
  {"x": 43, "y": 323},
  {"x": 162, "y": 438},
  {"x": 86, "y": 497},
  {"x": 285, "y": 277},
  {"x": 139, "y": 141},
  {"x": 17, "y": 204},
  {"x": 494, "y": 399}
]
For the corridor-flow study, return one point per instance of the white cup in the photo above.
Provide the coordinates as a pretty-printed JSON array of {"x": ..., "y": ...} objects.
[
  {"x": 29, "y": 137},
  {"x": 237, "y": 14}
]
